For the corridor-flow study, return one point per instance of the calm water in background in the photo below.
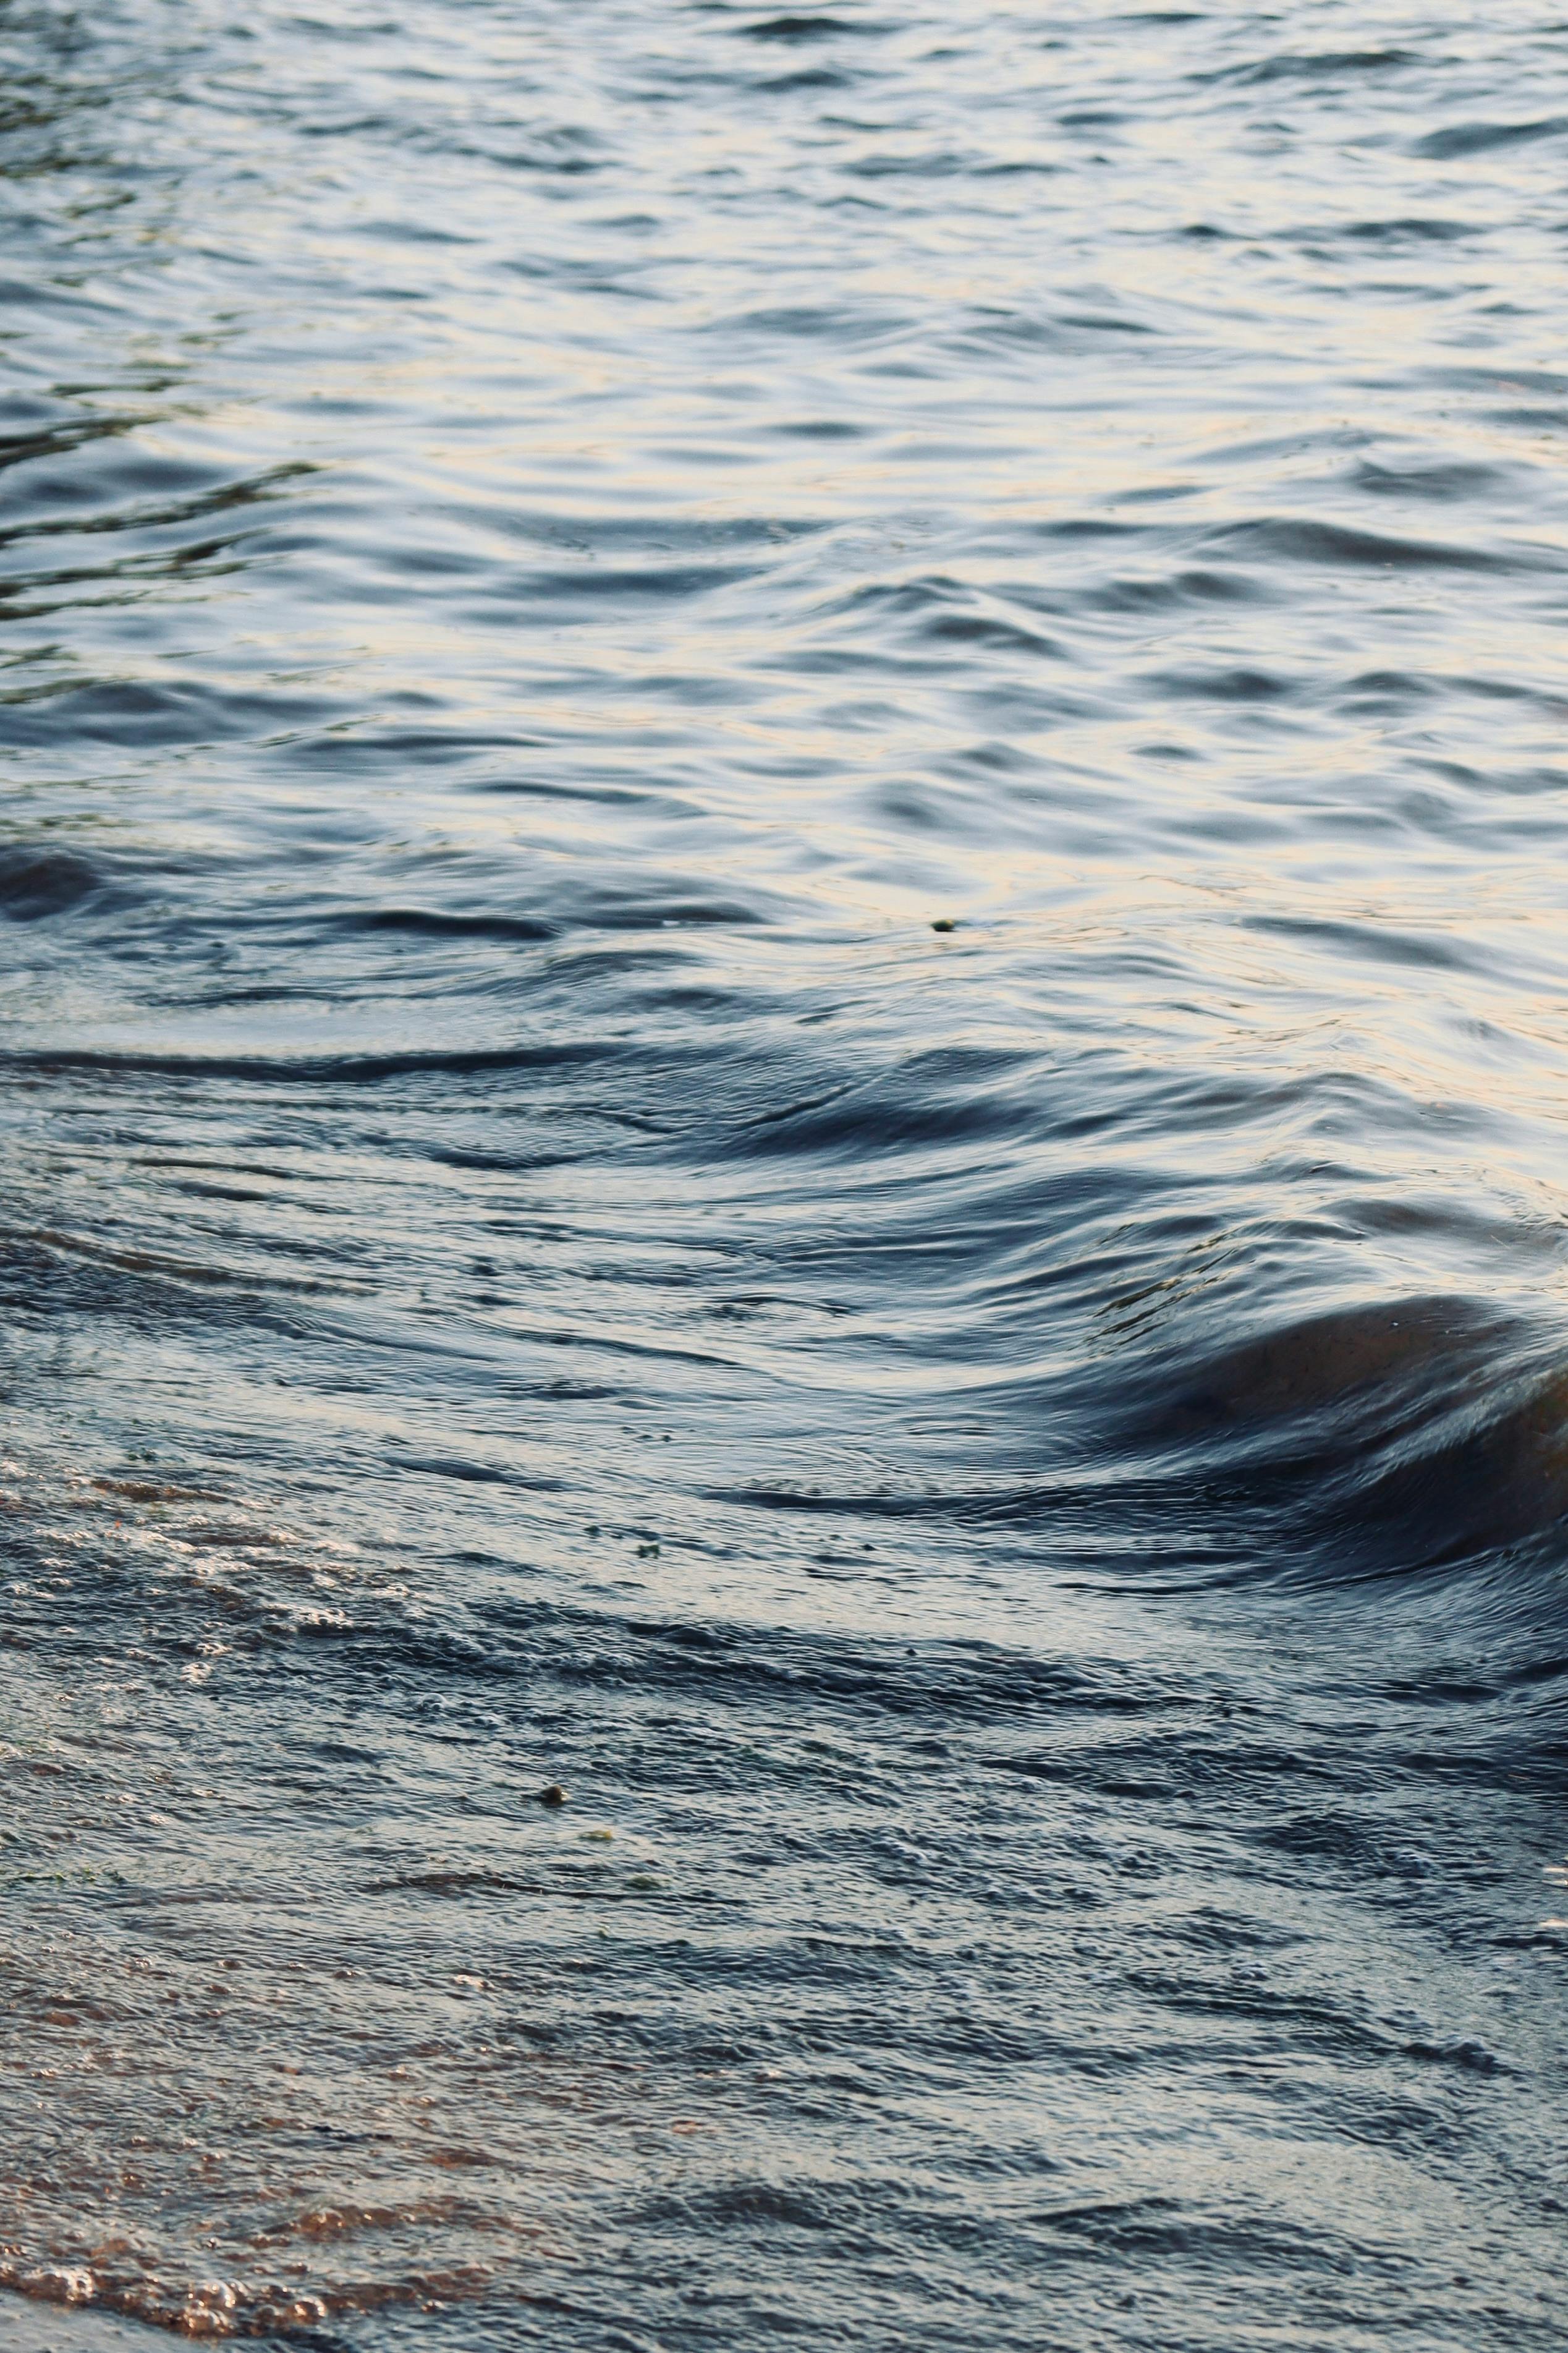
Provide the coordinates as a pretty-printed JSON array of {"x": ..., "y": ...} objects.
[{"x": 1016, "y": 1473}]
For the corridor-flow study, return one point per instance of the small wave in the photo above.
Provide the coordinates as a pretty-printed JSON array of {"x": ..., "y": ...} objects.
[
  {"x": 37, "y": 882},
  {"x": 1446, "y": 479},
  {"x": 1459, "y": 139},
  {"x": 145, "y": 713},
  {"x": 1313, "y": 65},
  {"x": 798, "y": 28},
  {"x": 310, "y": 1070},
  {"x": 1287, "y": 538},
  {"x": 429, "y": 922},
  {"x": 1388, "y": 1439}
]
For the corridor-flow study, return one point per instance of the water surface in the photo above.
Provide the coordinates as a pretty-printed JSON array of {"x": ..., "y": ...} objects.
[{"x": 785, "y": 1034}]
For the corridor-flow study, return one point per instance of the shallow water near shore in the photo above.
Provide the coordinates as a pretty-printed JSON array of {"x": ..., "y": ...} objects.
[{"x": 784, "y": 1023}]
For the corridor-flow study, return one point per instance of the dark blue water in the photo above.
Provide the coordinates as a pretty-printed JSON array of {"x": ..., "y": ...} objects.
[{"x": 784, "y": 1007}]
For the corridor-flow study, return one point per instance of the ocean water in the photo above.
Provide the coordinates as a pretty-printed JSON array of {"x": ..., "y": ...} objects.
[{"x": 783, "y": 1014}]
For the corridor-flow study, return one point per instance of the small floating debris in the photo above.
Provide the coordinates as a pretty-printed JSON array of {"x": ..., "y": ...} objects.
[
  {"x": 944, "y": 923},
  {"x": 552, "y": 1795}
]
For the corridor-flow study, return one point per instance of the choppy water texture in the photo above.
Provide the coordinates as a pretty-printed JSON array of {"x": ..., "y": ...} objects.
[{"x": 1016, "y": 1473}]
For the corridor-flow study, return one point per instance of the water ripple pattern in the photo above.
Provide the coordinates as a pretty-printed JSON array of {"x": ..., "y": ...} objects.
[{"x": 783, "y": 1013}]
